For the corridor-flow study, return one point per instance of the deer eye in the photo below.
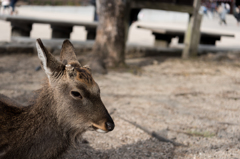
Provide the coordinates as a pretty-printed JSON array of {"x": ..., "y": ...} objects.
[{"x": 76, "y": 94}]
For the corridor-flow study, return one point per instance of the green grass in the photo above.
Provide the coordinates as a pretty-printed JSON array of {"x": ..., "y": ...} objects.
[{"x": 203, "y": 134}]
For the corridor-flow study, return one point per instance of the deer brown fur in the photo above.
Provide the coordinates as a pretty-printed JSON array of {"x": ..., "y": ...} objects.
[{"x": 67, "y": 105}]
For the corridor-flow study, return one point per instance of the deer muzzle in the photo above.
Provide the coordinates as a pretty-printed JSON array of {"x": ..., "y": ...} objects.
[{"x": 105, "y": 126}]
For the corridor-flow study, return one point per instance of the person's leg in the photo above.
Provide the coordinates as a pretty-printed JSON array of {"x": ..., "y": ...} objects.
[
  {"x": 238, "y": 19},
  {"x": 224, "y": 21},
  {"x": 13, "y": 2},
  {"x": 221, "y": 20}
]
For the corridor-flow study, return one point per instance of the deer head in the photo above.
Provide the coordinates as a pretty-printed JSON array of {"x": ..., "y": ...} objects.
[{"x": 76, "y": 95}]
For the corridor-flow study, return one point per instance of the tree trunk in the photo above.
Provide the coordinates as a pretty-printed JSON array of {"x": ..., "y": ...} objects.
[{"x": 109, "y": 48}]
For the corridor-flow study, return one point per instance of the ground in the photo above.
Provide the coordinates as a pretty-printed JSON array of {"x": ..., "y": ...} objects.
[{"x": 192, "y": 102}]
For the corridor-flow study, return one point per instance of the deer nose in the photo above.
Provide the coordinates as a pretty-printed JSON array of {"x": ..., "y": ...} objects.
[{"x": 110, "y": 126}]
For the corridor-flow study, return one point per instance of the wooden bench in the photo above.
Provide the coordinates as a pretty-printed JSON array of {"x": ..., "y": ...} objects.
[
  {"x": 163, "y": 36},
  {"x": 22, "y": 26},
  {"x": 191, "y": 7}
]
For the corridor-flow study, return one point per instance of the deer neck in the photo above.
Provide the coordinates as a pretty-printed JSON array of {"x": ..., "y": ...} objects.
[{"x": 40, "y": 132}]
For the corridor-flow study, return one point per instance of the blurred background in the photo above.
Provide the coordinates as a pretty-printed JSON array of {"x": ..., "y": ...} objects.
[
  {"x": 163, "y": 106},
  {"x": 83, "y": 10}
]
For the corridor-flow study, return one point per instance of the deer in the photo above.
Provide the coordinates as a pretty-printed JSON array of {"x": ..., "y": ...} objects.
[{"x": 67, "y": 105}]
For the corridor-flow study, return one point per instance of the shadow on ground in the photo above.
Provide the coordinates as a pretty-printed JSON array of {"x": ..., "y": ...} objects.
[{"x": 151, "y": 148}]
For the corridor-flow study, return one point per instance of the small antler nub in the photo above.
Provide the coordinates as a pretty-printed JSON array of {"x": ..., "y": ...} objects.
[{"x": 69, "y": 67}]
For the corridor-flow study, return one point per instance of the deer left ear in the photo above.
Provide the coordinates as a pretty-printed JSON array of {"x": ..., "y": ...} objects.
[{"x": 49, "y": 63}]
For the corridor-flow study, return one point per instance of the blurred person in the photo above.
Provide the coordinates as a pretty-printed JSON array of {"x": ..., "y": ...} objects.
[
  {"x": 213, "y": 7},
  {"x": 228, "y": 8},
  {"x": 236, "y": 14},
  {"x": 12, "y": 4},
  {"x": 5, "y": 6},
  {"x": 204, "y": 10},
  {"x": 222, "y": 11}
]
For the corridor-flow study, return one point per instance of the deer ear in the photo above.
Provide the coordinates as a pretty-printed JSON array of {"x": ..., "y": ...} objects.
[
  {"x": 49, "y": 63},
  {"x": 67, "y": 54}
]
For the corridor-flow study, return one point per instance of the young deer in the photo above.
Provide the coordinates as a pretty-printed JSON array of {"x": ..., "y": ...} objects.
[{"x": 68, "y": 104}]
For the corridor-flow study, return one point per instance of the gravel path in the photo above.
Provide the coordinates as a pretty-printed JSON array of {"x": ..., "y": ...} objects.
[{"x": 192, "y": 102}]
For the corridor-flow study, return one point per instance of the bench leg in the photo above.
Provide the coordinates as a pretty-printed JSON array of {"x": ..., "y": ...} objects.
[
  {"x": 180, "y": 39},
  {"x": 209, "y": 40},
  {"x": 203, "y": 40},
  {"x": 162, "y": 40},
  {"x": 91, "y": 33},
  {"x": 21, "y": 29},
  {"x": 61, "y": 32}
]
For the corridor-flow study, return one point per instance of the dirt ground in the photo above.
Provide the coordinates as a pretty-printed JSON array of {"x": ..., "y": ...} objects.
[{"x": 191, "y": 102}]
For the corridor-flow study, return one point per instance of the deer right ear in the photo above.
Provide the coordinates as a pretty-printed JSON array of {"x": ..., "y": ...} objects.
[{"x": 49, "y": 63}]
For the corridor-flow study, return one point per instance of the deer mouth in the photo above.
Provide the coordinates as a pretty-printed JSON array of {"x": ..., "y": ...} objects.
[
  {"x": 104, "y": 127},
  {"x": 96, "y": 128}
]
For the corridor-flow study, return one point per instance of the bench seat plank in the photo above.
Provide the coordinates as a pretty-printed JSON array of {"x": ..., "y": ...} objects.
[
  {"x": 164, "y": 34},
  {"x": 22, "y": 26},
  {"x": 177, "y": 31},
  {"x": 25, "y": 19}
]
